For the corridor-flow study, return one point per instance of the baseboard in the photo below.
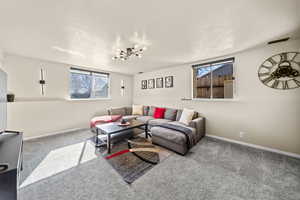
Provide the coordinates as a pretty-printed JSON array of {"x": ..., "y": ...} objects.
[
  {"x": 294, "y": 155},
  {"x": 53, "y": 133}
]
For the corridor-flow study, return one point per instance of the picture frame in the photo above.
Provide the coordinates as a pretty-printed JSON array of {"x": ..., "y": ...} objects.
[
  {"x": 160, "y": 82},
  {"x": 169, "y": 81},
  {"x": 151, "y": 83},
  {"x": 144, "y": 84}
]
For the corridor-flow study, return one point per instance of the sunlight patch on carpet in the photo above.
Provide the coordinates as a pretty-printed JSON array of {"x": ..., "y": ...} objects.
[{"x": 60, "y": 160}]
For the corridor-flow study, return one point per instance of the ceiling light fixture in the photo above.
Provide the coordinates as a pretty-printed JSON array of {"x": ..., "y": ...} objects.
[{"x": 129, "y": 52}]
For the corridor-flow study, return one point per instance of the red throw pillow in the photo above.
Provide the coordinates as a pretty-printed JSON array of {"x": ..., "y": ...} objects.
[{"x": 159, "y": 113}]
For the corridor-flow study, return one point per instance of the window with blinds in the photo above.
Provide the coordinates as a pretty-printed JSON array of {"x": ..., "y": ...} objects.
[
  {"x": 214, "y": 80},
  {"x": 85, "y": 84}
]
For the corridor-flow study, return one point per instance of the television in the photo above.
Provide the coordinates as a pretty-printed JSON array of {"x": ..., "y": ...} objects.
[{"x": 3, "y": 108}]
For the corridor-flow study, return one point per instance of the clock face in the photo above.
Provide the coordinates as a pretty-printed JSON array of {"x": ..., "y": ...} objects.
[{"x": 281, "y": 71}]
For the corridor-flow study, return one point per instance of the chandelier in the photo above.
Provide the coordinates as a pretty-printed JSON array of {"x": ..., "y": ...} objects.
[{"x": 134, "y": 51}]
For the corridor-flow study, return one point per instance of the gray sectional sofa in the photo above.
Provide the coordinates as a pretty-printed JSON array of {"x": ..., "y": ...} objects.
[{"x": 168, "y": 138}]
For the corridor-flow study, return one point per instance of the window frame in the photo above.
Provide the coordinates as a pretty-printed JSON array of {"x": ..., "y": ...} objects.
[
  {"x": 91, "y": 72},
  {"x": 214, "y": 62}
]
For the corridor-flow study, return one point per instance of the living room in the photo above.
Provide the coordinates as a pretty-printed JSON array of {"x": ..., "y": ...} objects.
[{"x": 104, "y": 100}]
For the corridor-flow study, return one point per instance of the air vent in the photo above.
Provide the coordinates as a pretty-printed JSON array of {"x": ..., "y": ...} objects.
[{"x": 280, "y": 40}]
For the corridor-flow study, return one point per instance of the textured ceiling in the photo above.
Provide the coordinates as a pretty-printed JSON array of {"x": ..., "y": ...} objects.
[{"x": 86, "y": 32}]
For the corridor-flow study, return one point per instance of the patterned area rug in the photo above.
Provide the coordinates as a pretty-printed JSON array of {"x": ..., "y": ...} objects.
[{"x": 133, "y": 164}]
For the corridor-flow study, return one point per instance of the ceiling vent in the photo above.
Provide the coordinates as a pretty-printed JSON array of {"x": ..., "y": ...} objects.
[{"x": 280, "y": 40}]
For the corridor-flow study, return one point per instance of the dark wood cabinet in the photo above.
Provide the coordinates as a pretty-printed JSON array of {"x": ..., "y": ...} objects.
[{"x": 11, "y": 147}]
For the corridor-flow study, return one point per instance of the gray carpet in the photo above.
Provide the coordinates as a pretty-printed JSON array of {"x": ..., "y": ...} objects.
[{"x": 65, "y": 167}]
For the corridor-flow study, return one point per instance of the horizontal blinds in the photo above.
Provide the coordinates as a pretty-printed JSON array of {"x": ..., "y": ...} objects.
[
  {"x": 83, "y": 71},
  {"x": 227, "y": 60}
]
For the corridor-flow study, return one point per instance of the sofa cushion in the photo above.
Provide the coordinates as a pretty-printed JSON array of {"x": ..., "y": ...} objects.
[
  {"x": 151, "y": 111},
  {"x": 170, "y": 114},
  {"x": 154, "y": 122},
  {"x": 128, "y": 110},
  {"x": 117, "y": 111},
  {"x": 171, "y": 135},
  {"x": 159, "y": 113},
  {"x": 144, "y": 119}
]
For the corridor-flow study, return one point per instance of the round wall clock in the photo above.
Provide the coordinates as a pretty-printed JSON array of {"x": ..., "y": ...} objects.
[{"x": 281, "y": 71}]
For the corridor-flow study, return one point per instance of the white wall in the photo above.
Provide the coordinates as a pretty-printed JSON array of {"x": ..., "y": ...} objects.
[
  {"x": 1, "y": 56},
  {"x": 2, "y": 97},
  {"x": 269, "y": 117},
  {"x": 36, "y": 115}
]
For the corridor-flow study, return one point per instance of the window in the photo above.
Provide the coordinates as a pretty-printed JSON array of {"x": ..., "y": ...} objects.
[
  {"x": 214, "y": 80},
  {"x": 86, "y": 84}
]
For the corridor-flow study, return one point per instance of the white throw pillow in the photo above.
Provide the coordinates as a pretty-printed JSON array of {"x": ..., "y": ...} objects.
[
  {"x": 186, "y": 116},
  {"x": 137, "y": 109}
]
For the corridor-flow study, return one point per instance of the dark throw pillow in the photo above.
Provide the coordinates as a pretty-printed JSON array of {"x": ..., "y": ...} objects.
[
  {"x": 151, "y": 111},
  {"x": 170, "y": 114}
]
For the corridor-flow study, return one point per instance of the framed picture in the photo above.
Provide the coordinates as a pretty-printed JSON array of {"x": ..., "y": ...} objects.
[
  {"x": 159, "y": 82},
  {"x": 144, "y": 84},
  {"x": 151, "y": 83},
  {"x": 169, "y": 81}
]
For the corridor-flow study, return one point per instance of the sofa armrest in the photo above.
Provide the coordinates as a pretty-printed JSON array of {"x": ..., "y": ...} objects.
[
  {"x": 199, "y": 125},
  {"x": 117, "y": 111}
]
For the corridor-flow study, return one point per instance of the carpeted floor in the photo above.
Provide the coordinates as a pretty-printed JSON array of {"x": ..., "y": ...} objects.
[{"x": 65, "y": 167}]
